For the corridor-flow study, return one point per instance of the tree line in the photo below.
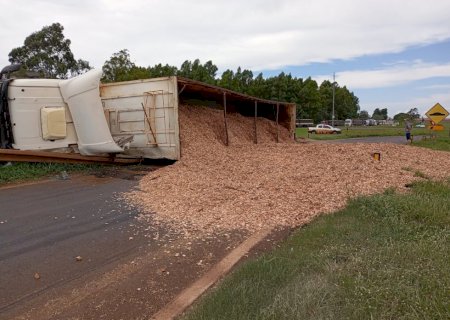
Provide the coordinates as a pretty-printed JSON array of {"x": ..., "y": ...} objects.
[
  {"x": 47, "y": 53},
  {"x": 313, "y": 101}
]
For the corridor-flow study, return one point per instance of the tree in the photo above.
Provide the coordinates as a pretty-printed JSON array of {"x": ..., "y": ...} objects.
[
  {"x": 414, "y": 113},
  {"x": 346, "y": 104},
  {"x": 118, "y": 67},
  {"x": 380, "y": 114},
  {"x": 309, "y": 100},
  {"x": 48, "y": 53},
  {"x": 242, "y": 80},
  {"x": 258, "y": 86},
  {"x": 402, "y": 116},
  {"x": 326, "y": 99},
  {"x": 312, "y": 101},
  {"x": 226, "y": 80},
  {"x": 196, "y": 71},
  {"x": 364, "y": 115},
  {"x": 162, "y": 71}
]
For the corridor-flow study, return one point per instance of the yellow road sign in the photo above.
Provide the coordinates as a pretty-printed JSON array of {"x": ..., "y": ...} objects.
[
  {"x": 437, "y": 127},
  {"x": 437, "y": 113}
]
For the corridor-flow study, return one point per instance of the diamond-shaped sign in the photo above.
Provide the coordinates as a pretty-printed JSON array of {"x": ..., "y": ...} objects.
[{"x": 437, "y": 113}]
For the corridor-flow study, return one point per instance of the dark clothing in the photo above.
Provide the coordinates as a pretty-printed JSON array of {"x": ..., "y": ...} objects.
[{"x": 408, "y": 128}]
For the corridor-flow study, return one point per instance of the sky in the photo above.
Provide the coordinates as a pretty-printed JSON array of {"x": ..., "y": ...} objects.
[{"x": 392, "y": 54}]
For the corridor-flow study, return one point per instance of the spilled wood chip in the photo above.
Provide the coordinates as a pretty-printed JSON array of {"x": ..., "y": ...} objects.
[{"x": 255, "y": 186}]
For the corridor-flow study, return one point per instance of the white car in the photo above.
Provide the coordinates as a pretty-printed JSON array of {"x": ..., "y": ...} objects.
[{"x": 324, "y": 129}]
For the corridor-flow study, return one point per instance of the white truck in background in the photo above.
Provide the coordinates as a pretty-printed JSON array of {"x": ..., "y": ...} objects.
[{"x": 348, "y": 122}]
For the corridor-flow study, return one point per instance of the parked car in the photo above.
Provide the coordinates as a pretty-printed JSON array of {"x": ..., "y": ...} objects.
[
  {"x": 324, "y": 129},
  {"x": 420, "y": 125}
]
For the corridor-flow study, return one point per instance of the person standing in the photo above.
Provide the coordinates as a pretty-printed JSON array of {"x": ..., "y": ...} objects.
[{"x": 408, "y": 128}]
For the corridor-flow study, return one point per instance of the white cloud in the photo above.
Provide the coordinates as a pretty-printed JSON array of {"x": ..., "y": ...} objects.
[
  {"x": 419, "y": 96},
  {"x": 436, "y": 87},
  {"x": 408, "y": 74},
  {"x": 423, "y": 104},
  {"x": 395, "y": 75},
  {"x": 254, "y": 34}
]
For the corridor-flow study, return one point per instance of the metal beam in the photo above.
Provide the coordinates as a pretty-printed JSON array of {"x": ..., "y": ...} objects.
[
  {"x": 149, "y": 123},
  {"x": 182, "y": 89},
  {"x": 56, "y": 157},
  {"x": 278, "y": 112}
]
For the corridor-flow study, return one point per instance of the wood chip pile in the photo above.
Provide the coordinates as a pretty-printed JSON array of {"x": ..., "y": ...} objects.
[{"x": 250, "y": 186}]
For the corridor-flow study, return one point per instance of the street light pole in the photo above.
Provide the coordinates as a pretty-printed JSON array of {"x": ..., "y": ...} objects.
[{"x": 332, "y": 115}]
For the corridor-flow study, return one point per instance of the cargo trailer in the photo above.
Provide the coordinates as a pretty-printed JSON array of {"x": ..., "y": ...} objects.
[{"x": 132, "y": 119}]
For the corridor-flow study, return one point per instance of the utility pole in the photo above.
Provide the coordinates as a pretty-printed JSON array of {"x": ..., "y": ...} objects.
[{"x": 334, "y": 83}]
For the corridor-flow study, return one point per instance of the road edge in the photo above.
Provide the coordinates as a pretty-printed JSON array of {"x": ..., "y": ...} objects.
[{"x": 192, "y": 293}]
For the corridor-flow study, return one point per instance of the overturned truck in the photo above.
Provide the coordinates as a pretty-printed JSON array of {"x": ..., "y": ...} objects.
[{"x": 81, "y": 119}]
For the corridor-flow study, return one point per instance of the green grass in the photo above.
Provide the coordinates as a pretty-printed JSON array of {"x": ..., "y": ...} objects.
[
  {"x": 360, "y": 132},
  {"x": 21, "y": 171},
  {"x": 439, "y": 142},
  {"x": 382, "y": 257}
]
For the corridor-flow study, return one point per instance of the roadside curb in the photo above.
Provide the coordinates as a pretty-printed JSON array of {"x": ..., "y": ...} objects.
[{"x": 189, "y": 295}]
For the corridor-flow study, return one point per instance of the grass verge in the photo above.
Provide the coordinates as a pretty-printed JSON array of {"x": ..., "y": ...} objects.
[
  {"x": 440, "y": 142},
  {"x": 382, "y": 257},
  {"x": 21, "y": 171}
]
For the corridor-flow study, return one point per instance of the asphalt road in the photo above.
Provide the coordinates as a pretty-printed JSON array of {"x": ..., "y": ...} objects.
[
  {"x": 44, "y": 227},
  {"x": 383, "y": 139},
  {"x": 129, "y": 268}
]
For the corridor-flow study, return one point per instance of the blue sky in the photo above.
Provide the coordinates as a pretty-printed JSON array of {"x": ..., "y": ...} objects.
[
  {"x": 392, "y": 54},
  {"x": 407, "y": 94}
]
